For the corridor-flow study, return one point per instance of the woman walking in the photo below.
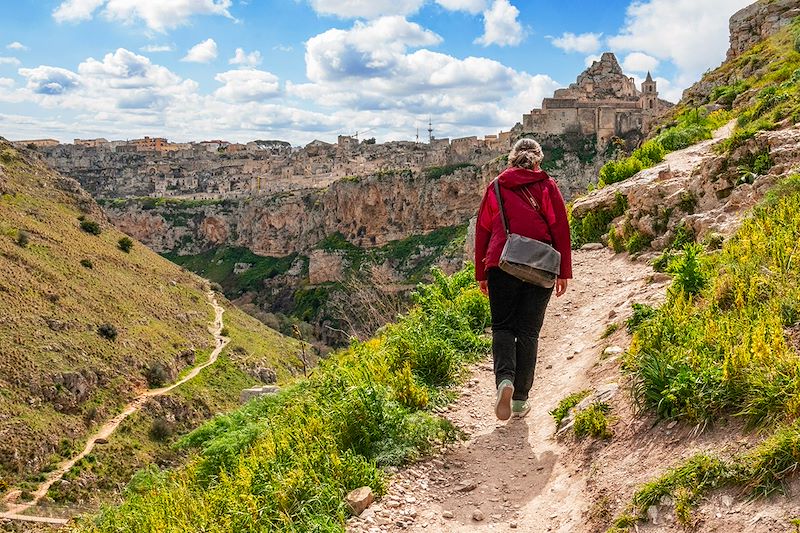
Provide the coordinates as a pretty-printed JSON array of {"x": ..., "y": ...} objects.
[{"x": 533, "y": 207}]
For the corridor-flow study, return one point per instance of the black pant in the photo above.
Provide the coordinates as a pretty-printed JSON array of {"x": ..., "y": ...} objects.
[{"x": 517, "y": 315}]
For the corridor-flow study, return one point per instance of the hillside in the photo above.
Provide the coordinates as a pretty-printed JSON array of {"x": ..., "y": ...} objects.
[
  {"x": 85, "y": 326},
  {"x": 755, "y": 92}
]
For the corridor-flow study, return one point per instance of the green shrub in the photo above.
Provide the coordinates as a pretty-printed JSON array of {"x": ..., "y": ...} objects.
[
  {"x": 593, "y": 421},
  {"x": 157, "y": 375},
  {"x": 162, "y": 429},
  {"x": 718, "y": 343},
  {"x": 641, "y": 313},
  {"x": 649, "y": 153},
  {"x": 107, "y": 331},
  {"x": 637, "y": 242},
  {"x": 594, "y": 224},
  {"x": 616, "y": 171},
  {"x": 90, "y": 226},
  {"x": 125, "y": 244},
  {"x": 23, "y": 238},
  {"x": 87, "y": 263},
  {"x": 689, "y": 276},
  {"x": 561, "y": 411}
]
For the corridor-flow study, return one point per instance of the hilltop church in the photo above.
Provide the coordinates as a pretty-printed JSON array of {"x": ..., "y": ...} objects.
[{"x": 602, "y": 102}]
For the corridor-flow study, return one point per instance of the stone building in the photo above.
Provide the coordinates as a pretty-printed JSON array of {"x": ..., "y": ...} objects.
[{"x": 603, "y": 102}]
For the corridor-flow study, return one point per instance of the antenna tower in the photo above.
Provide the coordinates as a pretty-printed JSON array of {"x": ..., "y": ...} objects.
[{"x": 430, "y": 131}]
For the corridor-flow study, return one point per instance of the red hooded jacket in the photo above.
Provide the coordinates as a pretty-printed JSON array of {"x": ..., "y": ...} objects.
[{"x": 490, "y": 237}]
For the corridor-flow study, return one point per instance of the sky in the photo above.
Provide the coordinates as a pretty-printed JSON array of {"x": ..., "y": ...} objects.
[{"x": 300, "y": 70}]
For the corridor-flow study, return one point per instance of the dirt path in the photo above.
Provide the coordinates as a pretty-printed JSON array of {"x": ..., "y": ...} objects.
[
  {"x": 514, "y": 475},
  {"x": 16, "y": 510}
]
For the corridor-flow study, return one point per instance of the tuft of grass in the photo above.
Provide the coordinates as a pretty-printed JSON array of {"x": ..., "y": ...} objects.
[
  {"x": 760, "y": 471},
  {"x": 561, "y": 411},
  {"x": 125, "y": 244},
  {"x": 593, "y": 421},
  {"x": 91, "y": 227},
  {"x": 610, "y": 330},
  {"x": 594, "y": 224}
]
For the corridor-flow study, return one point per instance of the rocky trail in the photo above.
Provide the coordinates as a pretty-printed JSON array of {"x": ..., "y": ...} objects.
[
  {"x": 516, "y": 475},
  {"x": 16, "y": 510}
]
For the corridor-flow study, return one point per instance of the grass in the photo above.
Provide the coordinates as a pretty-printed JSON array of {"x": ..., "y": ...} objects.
[
  {"x": 286, "y": 462},
  {"x": 720, "y": 345},
  {"x": 54, "y": 294},
  {"x": 759, "y": 472},
  {"x": 439, "y": 172},
  {"x": 218, "y": 265},
  {"x": 768, "y": 97},
  {"x": 561, "y": 411},
  {"x": 593, "y": 421}
]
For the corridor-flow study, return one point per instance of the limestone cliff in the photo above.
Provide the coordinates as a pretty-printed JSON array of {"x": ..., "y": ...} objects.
[{"x": 367, "y": 212}]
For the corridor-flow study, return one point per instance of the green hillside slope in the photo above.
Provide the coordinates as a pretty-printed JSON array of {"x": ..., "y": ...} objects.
[{"x": 85, "y": 326}]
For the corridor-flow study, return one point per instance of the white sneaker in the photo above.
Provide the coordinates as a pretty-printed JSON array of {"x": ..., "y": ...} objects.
[
  {"x": 520, "y": 408},
  {"x": 502, "y": 407}
]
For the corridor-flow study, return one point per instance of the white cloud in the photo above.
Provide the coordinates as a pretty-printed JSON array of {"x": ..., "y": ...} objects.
[
  {"x": 692, "y": 35},
  {"x": 246, "y": 85},
  {"x": 6, "y": 60},
  {"x": 283, "y": 47},
  {"x": 639, "y": 62},
  {"x": 204, "y": 52},
  {"x": 158, "y": 15},
  {"x": 500, "y": 25},
  {"x": 367, "y": 50},
  {"x": 470, "y": 6},
  {"x": 371, "y": 72},
  {"x": 585, "y": 43},
  {"x": 155, "y": 48},
  {"x": 16, "y": 45},
  {"x": 6, "y": 83},
  {"x": 366, "y": 9},
  {"x": 76, "y": 10},
  {"x": 50, "y": 81},
  {"x": 588, "y": 60},
  {"x": 253, "y": 59}
]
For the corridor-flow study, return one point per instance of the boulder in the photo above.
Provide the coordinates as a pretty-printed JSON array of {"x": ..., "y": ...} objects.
[{"x": 359, "y": 499}]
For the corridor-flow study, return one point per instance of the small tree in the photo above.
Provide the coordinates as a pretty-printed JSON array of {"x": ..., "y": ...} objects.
[
  {"x": 125, "y": 244},
  {"x": 23, "y": 238},
  {"x": 87, "y": 263},
  {"x": 90, "y": 226}
]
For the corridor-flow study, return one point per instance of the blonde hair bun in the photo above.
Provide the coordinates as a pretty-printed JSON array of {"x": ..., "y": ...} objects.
[{"x": 526, "y": 153}]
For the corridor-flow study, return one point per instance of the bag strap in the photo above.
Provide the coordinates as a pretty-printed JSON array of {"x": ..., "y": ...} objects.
[
  {"x": 503, "y": 214},
  {"x": 500, "y": 204}
]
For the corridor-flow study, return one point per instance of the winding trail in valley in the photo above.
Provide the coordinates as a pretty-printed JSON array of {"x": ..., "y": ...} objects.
[{"x": 16, "y": 510}]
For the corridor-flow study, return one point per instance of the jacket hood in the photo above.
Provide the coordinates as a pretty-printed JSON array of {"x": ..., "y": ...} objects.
[{"x": 515, "y": 177}]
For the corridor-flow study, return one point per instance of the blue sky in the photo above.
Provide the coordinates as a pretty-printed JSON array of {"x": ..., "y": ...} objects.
[{"x": 300, "y": 70}]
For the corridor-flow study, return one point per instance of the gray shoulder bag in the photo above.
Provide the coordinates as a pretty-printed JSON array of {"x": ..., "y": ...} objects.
[{"x": 530, "y": 260}]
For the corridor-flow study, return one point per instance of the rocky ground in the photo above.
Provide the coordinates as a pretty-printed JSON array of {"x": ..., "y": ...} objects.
[{"x": 518, "y": 476}]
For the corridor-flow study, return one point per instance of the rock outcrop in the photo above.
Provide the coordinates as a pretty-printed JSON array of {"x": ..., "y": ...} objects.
[
  {"x": 696, "y": 189},
  {"x": 758, "y": 21}
]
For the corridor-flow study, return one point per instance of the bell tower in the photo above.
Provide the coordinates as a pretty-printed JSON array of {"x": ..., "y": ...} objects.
[{"x": 649, "y": 94}]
